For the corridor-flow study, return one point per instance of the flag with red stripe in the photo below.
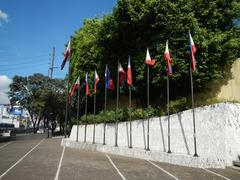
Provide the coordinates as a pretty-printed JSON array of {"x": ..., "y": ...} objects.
[
  {"x": 129, "y": 73},
  {"x": 87, "y": 85},
  {"x": 168, "y": 59},
  {"x": 96, "y": 81},
  {"x": 122, "y": 74},
  {"x": 148, "y": 61},
  {"x": 66, "y": 55},
  {"x": 193, "y": 50}
]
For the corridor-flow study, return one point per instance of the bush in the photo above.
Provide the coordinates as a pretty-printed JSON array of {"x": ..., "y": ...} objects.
[{"x": 121, "y": 115}]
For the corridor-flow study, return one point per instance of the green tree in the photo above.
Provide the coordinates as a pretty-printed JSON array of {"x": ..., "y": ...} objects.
[
  {"x": 44, "y": 98},
  {"x": 135, "y": 25}
]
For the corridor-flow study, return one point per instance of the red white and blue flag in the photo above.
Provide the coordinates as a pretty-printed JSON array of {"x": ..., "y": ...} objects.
[
  {"x": 168, "y": 59},
  {"x": 148, "y": 61},
  {"x": 193, "y": 50},
  {"x": 108, "y": 80},
  {"x": 122, "y": 74},
  {"x": 75, "y": 86},
  {"x": 87, "y": 85},
  {"x": 66, "y": 55},
  {"x": 129, "y": 73},
  {"x": 96, "y": 81}
]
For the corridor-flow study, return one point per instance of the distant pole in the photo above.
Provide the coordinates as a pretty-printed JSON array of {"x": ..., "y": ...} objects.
[
  {"x": 193, "y": 112},
  {"x": 94, "y": 113},
  {"x": 147, "y": 107},
  {"x": 52, "y": 65},
  {"x": 104, "y": 124},
  {"x": 78, "y": 106},
  {"x": 169, "y": 149},
  {"x": 116, "y": 112},
  {"x": 67, "y": 95},
  {"x": 85, "y": 132},
  {"x": 130, "y": 115}
]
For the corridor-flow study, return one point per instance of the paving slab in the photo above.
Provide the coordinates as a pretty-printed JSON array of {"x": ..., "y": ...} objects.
[
  {"x": 227, "y": 172},
  {"x": 13, "y": 152},
  {"x": 40, "y": 164},
  {"x": 84, "y": 165},
  {"x": 138, "y": 169},
  {"x": 188, "y": 173}
]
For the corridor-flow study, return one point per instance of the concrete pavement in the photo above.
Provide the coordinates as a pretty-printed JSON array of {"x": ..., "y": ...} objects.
[{"x": 37, "y": 158}]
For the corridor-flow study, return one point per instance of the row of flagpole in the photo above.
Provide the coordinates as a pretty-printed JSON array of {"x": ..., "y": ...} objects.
[{"x": 121, "y": 76}]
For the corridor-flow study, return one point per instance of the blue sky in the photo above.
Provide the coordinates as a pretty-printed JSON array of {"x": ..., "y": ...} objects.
[
  {"x": 29, "y": 29},
  {"x": 33, "y": 27}
]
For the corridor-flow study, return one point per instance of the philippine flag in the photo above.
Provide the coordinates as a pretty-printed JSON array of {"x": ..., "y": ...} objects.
[
  {"x": 108, "y": 80},
  {"x": 148, "y": 61},
  {"x": 66, "y": 55},
  {"x": 75, "y": 86},
  {"x": 96, "y": 81},
  {"x": 122, "y": 74},
  {"x": 87, "y": 85},
  {"x": 129, "y": 73},
  {"x": 168, "y": 59},
  {"x": 193, "y": 50}
]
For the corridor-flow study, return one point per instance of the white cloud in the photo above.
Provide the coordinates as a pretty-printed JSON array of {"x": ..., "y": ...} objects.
[
  {"x": 4, "y": 87},
  {"x": 3, "y": 16}
]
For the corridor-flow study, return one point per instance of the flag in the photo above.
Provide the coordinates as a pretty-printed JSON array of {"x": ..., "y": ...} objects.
[
  {"x": 96, "y": 81},
  {"x": 66, "y": 55},
  {"x": 149, "y": 62},
  {"x": 108, "y": 80},
  {"x": 129, "y": 73},
  {"x": 122, "y": 74},
  {"x": 193, "y": 49},
  {"x": 168, "y": 59},
  {"x": 87, "y": 85},
  {"x": 75, "y": 86}
]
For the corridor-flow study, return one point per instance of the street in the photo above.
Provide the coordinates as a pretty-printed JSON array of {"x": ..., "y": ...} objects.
[{"x": 35, "y": 157}]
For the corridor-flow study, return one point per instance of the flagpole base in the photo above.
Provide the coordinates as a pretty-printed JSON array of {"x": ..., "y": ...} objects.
[
  {"x": 104, "y": 144},
  {"x": 169, "y": 152},
  {"x": 147, "y": 149},
  {"x": 195, "y": 155},
  {"x": 130, "y": 147}
]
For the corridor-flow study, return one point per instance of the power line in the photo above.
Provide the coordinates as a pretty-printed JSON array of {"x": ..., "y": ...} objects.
[
  {"x": 23, "y": 63},
  {"x": 28, "y": 57},
  {"x": 21, "y": 68}
]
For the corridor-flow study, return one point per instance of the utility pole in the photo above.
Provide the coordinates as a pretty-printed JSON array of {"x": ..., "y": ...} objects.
[{"x": 52, "y": 64}]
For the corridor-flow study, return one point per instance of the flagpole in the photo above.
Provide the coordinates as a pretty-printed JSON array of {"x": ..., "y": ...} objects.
[
  {"x": 67, "y": 96},
  {"x": 94, "y": 113},
  {"x": 147, "y": 107},
  {"x": 169, "y": 149},
  {"x": 105, "y": 108},
  {"x": 130, "y": 115},
  {"x": 193, "y": 112},
  {"x": 78, "y": 110},
  {"x": 116, "y": 112},
  {"x": 85, "y": 132}
]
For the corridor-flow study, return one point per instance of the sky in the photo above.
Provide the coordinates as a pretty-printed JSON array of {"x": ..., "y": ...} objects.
[{"x": 29, "y": 29}]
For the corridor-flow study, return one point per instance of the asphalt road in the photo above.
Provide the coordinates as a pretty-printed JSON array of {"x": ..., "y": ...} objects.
[{"x": 36, "y": 158}]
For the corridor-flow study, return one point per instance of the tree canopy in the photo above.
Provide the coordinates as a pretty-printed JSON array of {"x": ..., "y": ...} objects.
[
  {"x": 44, "y": 98},
  {"x": 135, "y": 25}
]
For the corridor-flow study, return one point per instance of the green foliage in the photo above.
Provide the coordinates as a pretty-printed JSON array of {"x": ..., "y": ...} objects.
[
  {"x": 44, "y": 98},
  {"x": 121, "y": 115},
  {"x": 135, "y": 25}
]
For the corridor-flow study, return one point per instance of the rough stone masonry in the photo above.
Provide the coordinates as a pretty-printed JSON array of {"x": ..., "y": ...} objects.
[{"x": 217, "y": 133}]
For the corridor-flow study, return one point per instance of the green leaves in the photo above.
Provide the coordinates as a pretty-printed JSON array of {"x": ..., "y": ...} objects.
[{"x": 135, "y": 25}]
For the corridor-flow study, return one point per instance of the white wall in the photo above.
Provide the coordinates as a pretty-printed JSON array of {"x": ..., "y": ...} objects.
[{"x": 217, "y": 132}]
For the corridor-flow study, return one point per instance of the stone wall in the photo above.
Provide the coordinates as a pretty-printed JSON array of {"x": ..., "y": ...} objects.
[{"x": 217, "y": 133}]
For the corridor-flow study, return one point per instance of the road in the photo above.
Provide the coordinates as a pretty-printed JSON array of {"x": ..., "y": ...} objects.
[{"x": 37, "y": 158}]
